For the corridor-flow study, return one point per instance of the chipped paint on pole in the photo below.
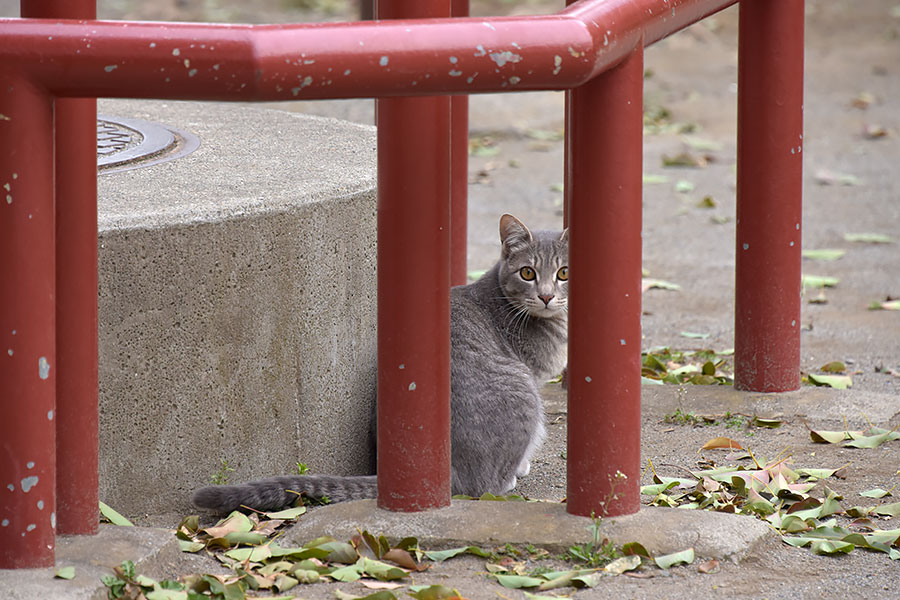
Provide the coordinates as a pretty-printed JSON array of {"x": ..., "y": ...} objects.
[
  {"x": 76, "y": 282},
  {"x": 27, "y": 327},
  {"x": 414, "y": 308},
  {"x": 603, "y": 186}
]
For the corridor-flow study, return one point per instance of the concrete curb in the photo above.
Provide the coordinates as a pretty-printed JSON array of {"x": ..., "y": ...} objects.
[{"x": 542, "y": 524}]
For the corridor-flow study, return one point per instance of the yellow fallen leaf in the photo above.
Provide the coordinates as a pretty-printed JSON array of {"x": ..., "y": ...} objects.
[{"x": 722, "y": 443}]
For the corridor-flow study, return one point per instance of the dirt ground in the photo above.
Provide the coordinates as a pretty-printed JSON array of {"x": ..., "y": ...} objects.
[{"x": 852, "y": 149}]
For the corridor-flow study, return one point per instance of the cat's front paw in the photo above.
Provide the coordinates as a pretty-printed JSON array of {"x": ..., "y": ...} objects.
[{"x": 524, "y": 468}]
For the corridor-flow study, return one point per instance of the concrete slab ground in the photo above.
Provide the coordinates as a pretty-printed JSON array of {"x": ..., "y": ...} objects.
[{"x": 92, "y": 558}]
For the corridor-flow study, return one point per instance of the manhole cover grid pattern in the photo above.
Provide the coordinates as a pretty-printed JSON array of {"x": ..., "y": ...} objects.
[
  {"x": 113, "y": 138},
  {"x": 126, "y": 143}
]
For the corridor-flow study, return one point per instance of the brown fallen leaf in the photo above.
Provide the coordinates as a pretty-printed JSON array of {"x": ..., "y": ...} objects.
[
  {"x": 638, "y": 574},
  {"x": 721, "y": 443},
  {"x": 686, "y": 159},
  {"x": 862, "y": 524},
  {"x": 820, "y": 299},
  {"x": 403, "y": 559},
  {"x": 874, "y": 132},
  {"x": 482, "y": 177},
  {"x": 834, "y": 366},
  {"x": 707, "y": 202},
  {"x": 711, "y": 486},
  {"x": 710, "y": 566},
  {"x": 862, "y": 100},
  {"x": 540, "y": 146}
]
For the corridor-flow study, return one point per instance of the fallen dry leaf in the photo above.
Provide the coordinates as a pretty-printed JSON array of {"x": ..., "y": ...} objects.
[
  {"x": 834, "y": 366},
  {"x": 649, "y": 283},
  {"x": 722, "y": 443},
  {"x": 862, "y": 100},
  {"x": 874, "y": 132},
  {"x": 826, "y": 177},
  {"x": 403, "y": 559},
  {"x": 380, "y": 585},
  {"x": 639, "y": 574},
  {"x": 710, "y": 566},
  {"x": 886, "y": 305},
  {"x": 482, "y": 177},
  {"x": 686, "y": 159}
]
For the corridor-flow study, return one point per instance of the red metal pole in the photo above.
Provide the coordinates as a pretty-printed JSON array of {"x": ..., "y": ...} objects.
[
  {"x": 604, "y": 179},
  {"x": 27, "y": 326},
  {"x": 459, "y": 174},
  {"x": 76, "y": 316},
  {"x": 413, "y": 292},
  {"x": 567, "y": 189},
  {"x": 76, "y": 284},
  {"x": 769, "y": 196}
]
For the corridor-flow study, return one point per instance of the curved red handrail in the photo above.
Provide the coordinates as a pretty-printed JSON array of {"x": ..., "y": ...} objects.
[{"x": 339, "y": 60}]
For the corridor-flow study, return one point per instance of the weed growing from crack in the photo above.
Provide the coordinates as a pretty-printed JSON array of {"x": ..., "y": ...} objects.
[
  {"x": 598, "y": 551},
  {"x": 220, "y": 477},
  {"x": 679, "y": 417}
]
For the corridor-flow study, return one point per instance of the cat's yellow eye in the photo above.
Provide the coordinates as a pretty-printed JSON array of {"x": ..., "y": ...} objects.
[
  {"x": 526, "y": 273},
  {"x": 563, "y": 274}
]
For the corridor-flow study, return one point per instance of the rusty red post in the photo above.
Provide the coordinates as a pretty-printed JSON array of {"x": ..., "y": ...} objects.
[
  {"x": 567, "y": 192},
  {"x": 76, "y": 420},
  {"x": 413, "y": 291},
  {"x": 77, "y": 440},
  {"x": 769, "y": 196},
  {"x": 27, "y": 326},
  {"x": 603, "y": 184},
  {"x": 459, "y": 174}
]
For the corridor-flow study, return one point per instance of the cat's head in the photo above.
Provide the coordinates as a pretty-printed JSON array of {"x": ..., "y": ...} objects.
[{"x": 534, "y": 268}]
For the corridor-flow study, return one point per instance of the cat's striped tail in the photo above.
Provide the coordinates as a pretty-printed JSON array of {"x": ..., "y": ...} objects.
[{"x": 281, "y": 492}]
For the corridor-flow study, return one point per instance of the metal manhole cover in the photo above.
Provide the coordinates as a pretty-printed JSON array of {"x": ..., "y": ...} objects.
[{"x": 125, "y": 143}]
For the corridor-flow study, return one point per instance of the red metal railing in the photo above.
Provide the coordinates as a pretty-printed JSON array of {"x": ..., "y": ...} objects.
[{"x": 48, "y": 270}]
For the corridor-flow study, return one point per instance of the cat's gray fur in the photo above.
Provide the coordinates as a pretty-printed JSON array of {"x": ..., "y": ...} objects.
[{"x": 508, "y": 335}]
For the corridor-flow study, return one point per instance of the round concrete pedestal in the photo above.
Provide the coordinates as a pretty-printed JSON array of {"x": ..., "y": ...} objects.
[{"x": 237, "y": 303}]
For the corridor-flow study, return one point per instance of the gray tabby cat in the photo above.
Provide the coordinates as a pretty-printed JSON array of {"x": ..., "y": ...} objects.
[{"x": 508, "y": 334}]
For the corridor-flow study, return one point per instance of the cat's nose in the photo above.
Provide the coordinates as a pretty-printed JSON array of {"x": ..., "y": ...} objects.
[{"x": 546, "y": 298}]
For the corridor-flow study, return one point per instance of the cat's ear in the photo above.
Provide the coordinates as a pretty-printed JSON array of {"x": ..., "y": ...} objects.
[
  {"x": 564, "y": 237},
  {"x": 513, "y": 234}
]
